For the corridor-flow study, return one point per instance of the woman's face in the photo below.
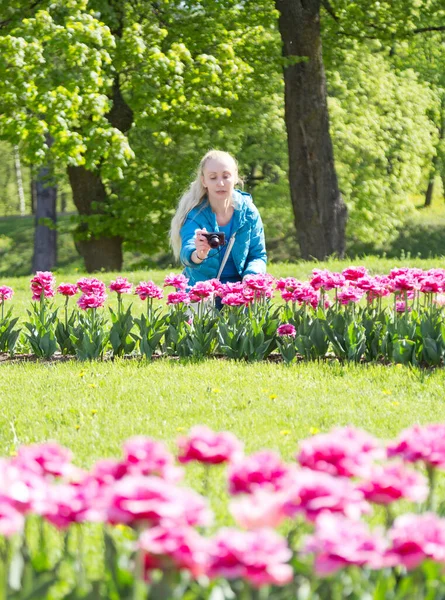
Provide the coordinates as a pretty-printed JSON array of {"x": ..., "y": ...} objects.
[{"x": 219, "y": 177}]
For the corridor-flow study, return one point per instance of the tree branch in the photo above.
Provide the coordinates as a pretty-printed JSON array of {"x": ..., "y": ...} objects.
[
  {"x": 328, "y": 8},
  {"x": 6, "y": 22},
  {"x": 425, "y": 29}
]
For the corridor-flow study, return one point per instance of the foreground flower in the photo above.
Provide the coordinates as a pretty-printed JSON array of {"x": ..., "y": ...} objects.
[
  {"x": 262, "y": 508},
  {"x": 387, "y": 483},
  {"x": 6, "y": 293},
  {"x": 416, "y": 538},
  {"x": 264, "y": 469},
  {"x": 147, "y": 289},
  {"x": 344, "y": 451},
  {"x": 178, "y": 548},
  {"x": 259, "y": 557},
  {"x": 43, "y": 283},
  {"x": 68, "y": 289},
  {"x": 44, "y": 459},
  {"x": 121, "y": 285},
  {"x": 426, "y": 443},
  {"x": 286, "y": 330},
  {"x": 310, "y": 493},
  {"x": 11, "y": 520},
  {"x": 135, "y": 499},
  {"x": 339, "y": 542},
  {"x": 354, "y": 273},
  {"x": 201, "y": 291},
  {"x": 145, "y": 456},
  {"x": 206, "y": 446},
  {"x": 177, "y": 281}
]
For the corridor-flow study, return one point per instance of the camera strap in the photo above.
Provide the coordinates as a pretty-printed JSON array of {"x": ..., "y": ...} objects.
[{"x": 226, "y": 255}]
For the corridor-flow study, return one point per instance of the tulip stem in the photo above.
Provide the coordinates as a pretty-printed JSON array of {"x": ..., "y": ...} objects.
[{"x": 431, "y": 472}]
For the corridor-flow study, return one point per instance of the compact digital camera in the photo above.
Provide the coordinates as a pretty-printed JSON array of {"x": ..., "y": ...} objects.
[{"x": 215, "y": 238}]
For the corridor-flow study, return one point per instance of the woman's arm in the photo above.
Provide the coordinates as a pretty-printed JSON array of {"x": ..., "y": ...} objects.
[{"x": 257, "y": 258}]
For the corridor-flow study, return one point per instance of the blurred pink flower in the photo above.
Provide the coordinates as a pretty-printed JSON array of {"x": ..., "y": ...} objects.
[
  {"x": 310, "y": 493},
  {"x": 179, "y": 281},
  {"x": 11, "y": 520},
  {"x": 178, "y": 298},
  {"x": 6, "y": 293},
  {"x": 121, "y": 285},
  {"x": 261, "y": 284},
  {"x": 43, "y": 282},
  {"x": 414, "y": 538},
  {"x": 207, "y": 446},
  {"x": 432, "y": 285},
  {"x": 286, "y": 330},
  {"x": 147, "y": 289},
  {"x": 401, "y": 306},
  {"x": 354, "y": 273},
  {"x": 145, "y": 456},
  {"x": 68, "y": 289},
  {"x": 67, "y": 503},
  {"x": 47, "y": 458},
  {"x": 440, "y": 300},
  {"x": 264, "y": 469},
  {"x": 261, "y": 508},
  {"x": 403, "y": 283},
  {"x": 235, "y": 287},
  {"x": 258, "y": 557},
  {"x": 90, "y": 286},
  {"x": 179, "y": 548},
  {"x": 426, "y": 443},
  {"x": 21, "y": 488},
  {"x": 343, "y": 451},
  {"x": 95, "y": 301},
  {"x": 338, "y": 542},
  {"x": 388, "y": 483},
  {"x": 135, "y": 499}
]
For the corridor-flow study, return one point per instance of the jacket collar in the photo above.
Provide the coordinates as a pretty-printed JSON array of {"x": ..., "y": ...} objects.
[{"x": 239, "y": 215}]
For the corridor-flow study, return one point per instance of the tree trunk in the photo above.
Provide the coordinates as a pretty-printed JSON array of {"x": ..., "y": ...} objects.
[
  {"x": 430, "y": 188},
  {"x": 319, "y": 211},
  {"x": 45, "y": 238},
  {"x": 99, "y": 252},
  {"x": 19, "y": 179}
]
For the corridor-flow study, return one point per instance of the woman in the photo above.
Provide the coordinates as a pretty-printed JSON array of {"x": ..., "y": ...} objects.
[{"x": 212, "y": 204}]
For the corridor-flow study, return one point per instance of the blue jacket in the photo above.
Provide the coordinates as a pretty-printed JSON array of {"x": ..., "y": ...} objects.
[{"x": 248, "y": 251}]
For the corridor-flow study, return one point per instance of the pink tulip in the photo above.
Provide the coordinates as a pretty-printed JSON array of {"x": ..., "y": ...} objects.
[
  {"x": 339, "y": 542},
  {"x": 388, "y": 483},
  {"x": 344, "y": 451},
  {"x": 90, "y": 286},
  {"x": 43, "y": 283},
  {"x": 354, "y": 273},
  {"x": 95, "y": 301},
  {"x": 178, "y": 298},
  {"x": 136, "y": 499},
  {"x": 234, "y": 299},
  {"x": 6, "y": 293},
  {"x": 421, "y": 443},
  {"x": 177, "y": 281},
  {"x": 145, "y": 456},
  {"x": 310, "y": 493},
  {"x": 261, "y": 508},
  {"x": 259, "y": 557},
  {"x": 286, "y": 330},
  {"x": 288, "y": 284},
  {"x": 264, "y": 469},
  {"x": 326, "y": 279},
  {"x": 201, "y": 291},
  {"x": 349, "y": 295},
  {"x": 416, "y": 538},
  {"x": 121, "y": 285},
  {"x": 179, "y": 548},
  {"x": 68, "y": 289},
  {"x": 11, "y": 520},
  {"x": 147, "y": 289},
  {"x": 44, "y": 459},
  {"x": 205, "y": 446}
]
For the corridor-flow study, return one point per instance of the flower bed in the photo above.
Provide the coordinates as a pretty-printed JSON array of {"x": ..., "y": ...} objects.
[
  {"x": 350, "y": 315},
  {"x": 157, "y": 536}
]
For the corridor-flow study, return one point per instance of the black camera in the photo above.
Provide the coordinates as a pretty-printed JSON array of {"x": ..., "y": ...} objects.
[{"x": 215, "y": 238}]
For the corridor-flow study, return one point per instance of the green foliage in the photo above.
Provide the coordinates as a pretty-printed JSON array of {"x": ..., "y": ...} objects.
[
  {"x": 121, "y": 340},
  {"x": 383, "y": 140},
  {"x": 8, "y": 335},
  {"x": 40, "y": 328},
  {"x": 152, "y": 328},
  {"x": 90, "y": 336}
]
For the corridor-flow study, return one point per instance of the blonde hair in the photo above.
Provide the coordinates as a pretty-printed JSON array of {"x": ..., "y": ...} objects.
[{"x": 193, "y": 196}]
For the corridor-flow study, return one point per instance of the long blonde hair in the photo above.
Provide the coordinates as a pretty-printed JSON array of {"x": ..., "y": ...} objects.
[{"x": 193, "y": 196}]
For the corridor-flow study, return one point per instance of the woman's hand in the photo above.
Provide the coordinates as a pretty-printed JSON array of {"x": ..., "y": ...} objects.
[{"x": 201, "y": 244}]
